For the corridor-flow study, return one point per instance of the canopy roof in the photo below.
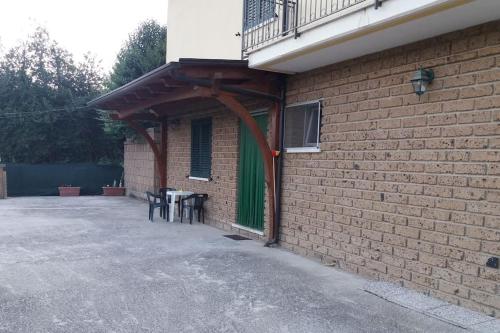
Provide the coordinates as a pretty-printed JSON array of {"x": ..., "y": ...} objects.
[
  {"x": 177, "y": 84},
  {"x": 189, "y": 84}
]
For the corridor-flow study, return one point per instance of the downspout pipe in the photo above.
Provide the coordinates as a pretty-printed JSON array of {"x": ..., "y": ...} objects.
[{"x": 279, "y": 171}]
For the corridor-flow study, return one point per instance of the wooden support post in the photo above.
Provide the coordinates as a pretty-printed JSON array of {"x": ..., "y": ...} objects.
[
  {"x": 237, "y": 108},
  {"x": 160, "y": 162},
  {"x": 163, "y": 151}
]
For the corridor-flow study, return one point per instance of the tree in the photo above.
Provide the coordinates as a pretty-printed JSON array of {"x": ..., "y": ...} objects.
[
  {"x": 144, "y": 51},
  {"x": 43, "y": 118}
]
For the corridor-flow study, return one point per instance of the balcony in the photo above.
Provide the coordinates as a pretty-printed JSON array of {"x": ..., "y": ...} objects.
[
  {"x": 292, "y": 36},
  {"x": 268, "y": 20}
]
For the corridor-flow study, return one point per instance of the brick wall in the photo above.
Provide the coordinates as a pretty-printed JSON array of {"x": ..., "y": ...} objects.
[
  {"x": 221, "y": 207},
  {"x": 139, "y": 167},
  {"x": 141, "y": 174},
  {"x": 3, "y": 182},
  {"x": 405, "y": 189}
]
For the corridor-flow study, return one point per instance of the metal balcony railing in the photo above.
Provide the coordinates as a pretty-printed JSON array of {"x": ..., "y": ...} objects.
[{"x": 267, "y": 20}]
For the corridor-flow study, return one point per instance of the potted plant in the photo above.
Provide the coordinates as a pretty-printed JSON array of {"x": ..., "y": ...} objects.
[
  {"x": 69, "y": 191},
  {"x": 114, "y": 191}
]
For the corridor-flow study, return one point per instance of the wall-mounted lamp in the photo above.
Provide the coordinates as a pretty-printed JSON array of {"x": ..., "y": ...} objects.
[{"x": 421, "y": 79}]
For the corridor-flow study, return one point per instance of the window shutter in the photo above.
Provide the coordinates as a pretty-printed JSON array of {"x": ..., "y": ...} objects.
[
  {"x": 201, "y": 148},
  {"x": 267, "y": 9},
  {"x": 251, "y": 11},
  {"x": 258, "y": 11}
]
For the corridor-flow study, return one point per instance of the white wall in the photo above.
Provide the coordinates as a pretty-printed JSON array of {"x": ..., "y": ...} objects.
[{"x": 204, "y": 29}]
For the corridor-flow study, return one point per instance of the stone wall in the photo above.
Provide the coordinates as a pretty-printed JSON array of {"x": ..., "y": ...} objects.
[
  {"x": 405, "y": 189},
  {"x": 139, "y": 167},
  {"x": 3, "y": 182}
]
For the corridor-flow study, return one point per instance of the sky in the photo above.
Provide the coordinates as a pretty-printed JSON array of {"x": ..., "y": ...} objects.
[{"x": 96, "y": 26}]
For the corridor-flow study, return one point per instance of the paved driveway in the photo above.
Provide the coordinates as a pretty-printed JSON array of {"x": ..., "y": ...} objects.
[{"x": 94, "y": 264}]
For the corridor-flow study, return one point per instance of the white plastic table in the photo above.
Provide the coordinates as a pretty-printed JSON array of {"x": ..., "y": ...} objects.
[{"x": 173, "y": 195}]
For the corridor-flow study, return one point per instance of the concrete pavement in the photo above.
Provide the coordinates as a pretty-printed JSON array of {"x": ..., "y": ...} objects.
[{"x": 95, "y": 264}]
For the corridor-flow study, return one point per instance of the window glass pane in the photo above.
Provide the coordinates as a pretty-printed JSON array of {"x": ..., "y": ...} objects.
[
  {"x": 301, "y": 125},
  {"x": 311, "y": 130}
]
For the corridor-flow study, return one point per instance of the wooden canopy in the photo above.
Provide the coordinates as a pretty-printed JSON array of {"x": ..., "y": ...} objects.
[{"x": 178, "y": 86}]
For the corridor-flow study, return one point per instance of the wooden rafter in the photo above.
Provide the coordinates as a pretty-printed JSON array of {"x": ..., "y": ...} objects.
[
  {"x": 220, "y": 73},
  {"x": 137, "y": 116},
  {"x": 185, "y": 93},
  {"x": 158, "y": 152},
  {"x": 163, "y": 152},
  {"x": 164, "y": 90}
]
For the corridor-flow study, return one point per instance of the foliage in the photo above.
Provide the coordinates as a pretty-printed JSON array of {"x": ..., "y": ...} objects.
[
  {"x": 144, "y": 51},
  {"x": 42, "y": 115}
]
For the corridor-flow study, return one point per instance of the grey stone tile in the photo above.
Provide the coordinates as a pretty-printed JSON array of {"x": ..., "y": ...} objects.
[
  {"x": 492, "y": 326},
  {"x": 403, "y": 296},
  {"x": 458, "y": 316},
  {"x": 417, "y": 301},
  {"x": 385, "y": 290}
]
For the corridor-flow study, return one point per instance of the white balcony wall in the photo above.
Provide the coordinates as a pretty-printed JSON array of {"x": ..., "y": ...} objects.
[
  {"x": 204, "y": 29},
  {"x": 360, "y": 30}
]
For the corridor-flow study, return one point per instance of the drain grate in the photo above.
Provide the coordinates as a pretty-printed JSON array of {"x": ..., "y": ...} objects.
[{"x": 236, "y": 237}]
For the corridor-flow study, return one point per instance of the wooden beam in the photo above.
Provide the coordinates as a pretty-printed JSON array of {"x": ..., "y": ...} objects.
[
  {"x": 169, "y": 84},
  {"x": 160, "y": 162},
  {"x": 176, "y": 95},
  {"x": 237, "y": 108},
  {"x": 163, "y": 151},
  {"x": 138, "y": 96},
  {"x": 218, "y": 73},
  {"x": 152, "y": 92},
  {"x": 229, "y": 88},
  {"x": 137, "y": 116}
]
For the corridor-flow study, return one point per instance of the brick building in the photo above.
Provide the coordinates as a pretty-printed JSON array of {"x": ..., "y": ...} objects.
[
  {"x": 405, "y": 188},
  {"x": 381, "y": 181}
]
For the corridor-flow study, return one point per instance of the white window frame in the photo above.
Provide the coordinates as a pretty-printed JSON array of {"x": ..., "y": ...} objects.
[
  {"x": 306, "y": 149},
  {"x": 199, "y": 178}
]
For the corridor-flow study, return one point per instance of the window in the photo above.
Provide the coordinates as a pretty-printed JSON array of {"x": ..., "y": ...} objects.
[
  {"x": 302, "y": 122},
  {"x": 201, "y": 148},
  {"x": 258, "y": 11}
]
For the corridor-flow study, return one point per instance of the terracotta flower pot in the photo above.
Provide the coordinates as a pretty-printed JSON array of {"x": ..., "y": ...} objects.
[
  {"x": 67, "y": 191},
  {"x": 110, "y": 191}
]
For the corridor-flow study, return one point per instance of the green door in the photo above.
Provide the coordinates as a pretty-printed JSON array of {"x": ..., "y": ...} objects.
[{"x": 251, "y": 178}]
